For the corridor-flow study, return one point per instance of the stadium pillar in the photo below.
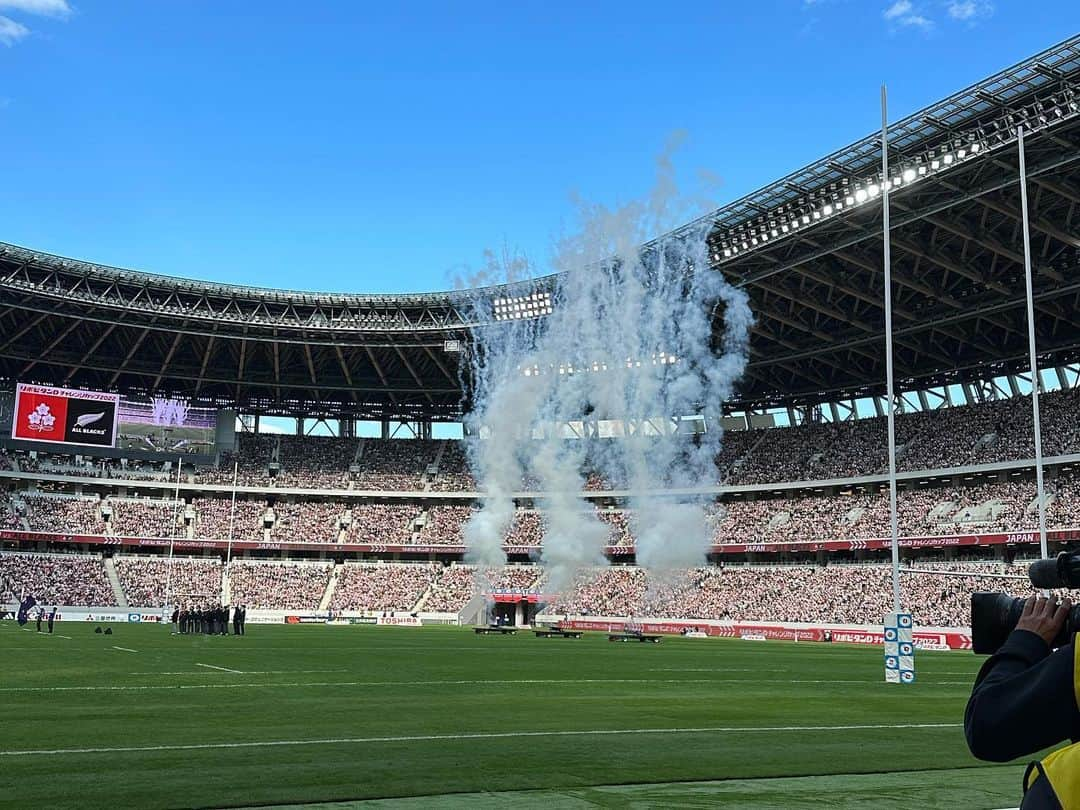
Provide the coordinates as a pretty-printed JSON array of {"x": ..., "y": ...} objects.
[
  {"x": 172, "y": 534},
  {"x": 232, "y": 511},
  {"x": 1031, "y": 345},
  {"x": 889, "y": 392}
]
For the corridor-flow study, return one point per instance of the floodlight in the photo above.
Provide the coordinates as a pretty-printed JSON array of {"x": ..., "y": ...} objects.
[
  {"x": 909, "y": 175},
  {"x": 827, "y": 210},
  {"x": 860, "y": 195}
]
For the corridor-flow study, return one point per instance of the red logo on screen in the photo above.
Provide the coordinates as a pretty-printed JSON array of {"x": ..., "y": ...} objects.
[{"x": 41, "y": 416}]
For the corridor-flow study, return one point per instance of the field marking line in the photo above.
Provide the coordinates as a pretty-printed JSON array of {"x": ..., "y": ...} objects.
[
  {"x": 479, "y": 735},
  {"x": 714, "y": 669},
  {"x": 486, "y": 682},
  {"x": 223, "y": 669},
  {"x": 125, "y": 649},
  {"x": 67, "y": 637},
  {"x": 251, "y": 672}
]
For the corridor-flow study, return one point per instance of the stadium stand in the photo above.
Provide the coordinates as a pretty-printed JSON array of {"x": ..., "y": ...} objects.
[
  {"x": 279, "y": 585},
  {"x": 150, "y": 581},
  {"x": 55, "y": 579},
  {"x": 214, "y": 515},
  {"x": 840, "y": 594},
  {"x": 382, "y": 586},
  {"x": 836, "y": 593},
  {"x": 458, "y": 584},
  {"x": 381, "y": 523}
]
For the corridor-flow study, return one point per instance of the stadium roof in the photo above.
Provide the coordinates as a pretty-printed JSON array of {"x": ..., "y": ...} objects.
[{"x": 807, "y": 248}]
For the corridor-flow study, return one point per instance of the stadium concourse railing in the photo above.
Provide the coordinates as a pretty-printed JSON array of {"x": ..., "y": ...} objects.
[
  {"x": 1026, "y": 537},
  {"x": 1020, "y": 537},
  {"x": 604, "y": 494}
]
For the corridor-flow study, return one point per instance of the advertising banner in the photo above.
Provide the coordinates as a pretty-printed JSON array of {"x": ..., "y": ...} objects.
[
  {"x": 1014, "y": 538},
  {"x": 869, "y": 634},
  {"x": 65, "y": 416},
  {"x": 398, "y": 621}
]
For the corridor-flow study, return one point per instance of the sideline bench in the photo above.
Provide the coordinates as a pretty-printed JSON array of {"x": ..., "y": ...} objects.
[{"x": 633, "y": 637}]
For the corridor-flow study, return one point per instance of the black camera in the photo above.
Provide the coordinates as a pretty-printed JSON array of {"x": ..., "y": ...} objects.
[{"x": 994, "y": 615}]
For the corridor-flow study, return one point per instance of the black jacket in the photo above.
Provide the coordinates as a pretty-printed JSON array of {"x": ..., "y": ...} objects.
[{"x": 1023, "y": 700}]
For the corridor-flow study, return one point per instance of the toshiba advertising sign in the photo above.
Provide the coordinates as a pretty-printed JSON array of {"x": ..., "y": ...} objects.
[{"x": 64, "y": 416}]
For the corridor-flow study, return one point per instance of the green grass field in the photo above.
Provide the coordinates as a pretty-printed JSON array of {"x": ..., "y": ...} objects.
[{"x": 298, "y": 715}]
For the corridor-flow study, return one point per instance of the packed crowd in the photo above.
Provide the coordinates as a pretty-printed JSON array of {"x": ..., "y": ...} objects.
[
  {"x": 144, "y": 517},
  {"x": 307, "y": 521},
  {"x": 999, "y": 506},
  {"x": 381, "y": 523},
  {"x": 153, "y": 581},
  {"x": 64, "y": 514},
  {"x": 214, "y": 517},
  {"x": 457, "y": 584},
  {"x": 839, "y": 594},
  {"x": 382, "y": 586},
  {"x": 55, "y": 579},
  {"x": 283, "y": 586},
  {"x": 315, "y": 462}
]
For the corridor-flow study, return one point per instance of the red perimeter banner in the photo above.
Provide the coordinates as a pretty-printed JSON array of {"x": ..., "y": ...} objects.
[
  {"x": 924, "y": 639},
  {"x": 65, "y": 416},
  {"x": 995, "y": 539}
]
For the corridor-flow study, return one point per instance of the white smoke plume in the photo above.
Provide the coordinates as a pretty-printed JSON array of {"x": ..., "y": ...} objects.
[{"x": 630, "y": 338}]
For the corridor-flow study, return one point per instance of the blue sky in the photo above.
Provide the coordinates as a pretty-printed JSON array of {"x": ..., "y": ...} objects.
[{"x": 355, "y": 146}]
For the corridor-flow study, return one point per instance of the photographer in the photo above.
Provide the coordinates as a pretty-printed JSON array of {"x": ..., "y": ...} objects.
[{"x": 1025, "y": 696}]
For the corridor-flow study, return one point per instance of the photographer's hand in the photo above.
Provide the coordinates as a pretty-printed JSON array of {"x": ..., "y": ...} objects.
[{"x": 1043, "y": 617}]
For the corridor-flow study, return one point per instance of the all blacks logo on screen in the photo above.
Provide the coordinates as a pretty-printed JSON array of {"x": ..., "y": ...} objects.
[{"x": 90, "y": 421}]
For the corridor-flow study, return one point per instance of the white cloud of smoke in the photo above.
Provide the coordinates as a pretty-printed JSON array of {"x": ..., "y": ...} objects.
[{"x": 631, "y": 339}]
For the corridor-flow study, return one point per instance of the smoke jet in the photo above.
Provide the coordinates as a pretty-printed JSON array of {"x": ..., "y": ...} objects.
[{"x": 617, "y": 366}]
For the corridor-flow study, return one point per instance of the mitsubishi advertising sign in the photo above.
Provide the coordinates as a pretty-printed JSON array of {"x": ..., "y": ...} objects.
[{"x": 44, "y": 413}]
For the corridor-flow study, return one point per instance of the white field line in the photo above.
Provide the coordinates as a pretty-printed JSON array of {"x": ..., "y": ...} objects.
[
  {"x": 411, "y": 684},
  {"x": 125, "y": 649},
  {"x": 715, "y": 669},
  {"x": 38, "y": 632},
  {"x": 223, "y": 669},
  {"x": 480, "y": 735},
  {"x": 250, "y": 672}
]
